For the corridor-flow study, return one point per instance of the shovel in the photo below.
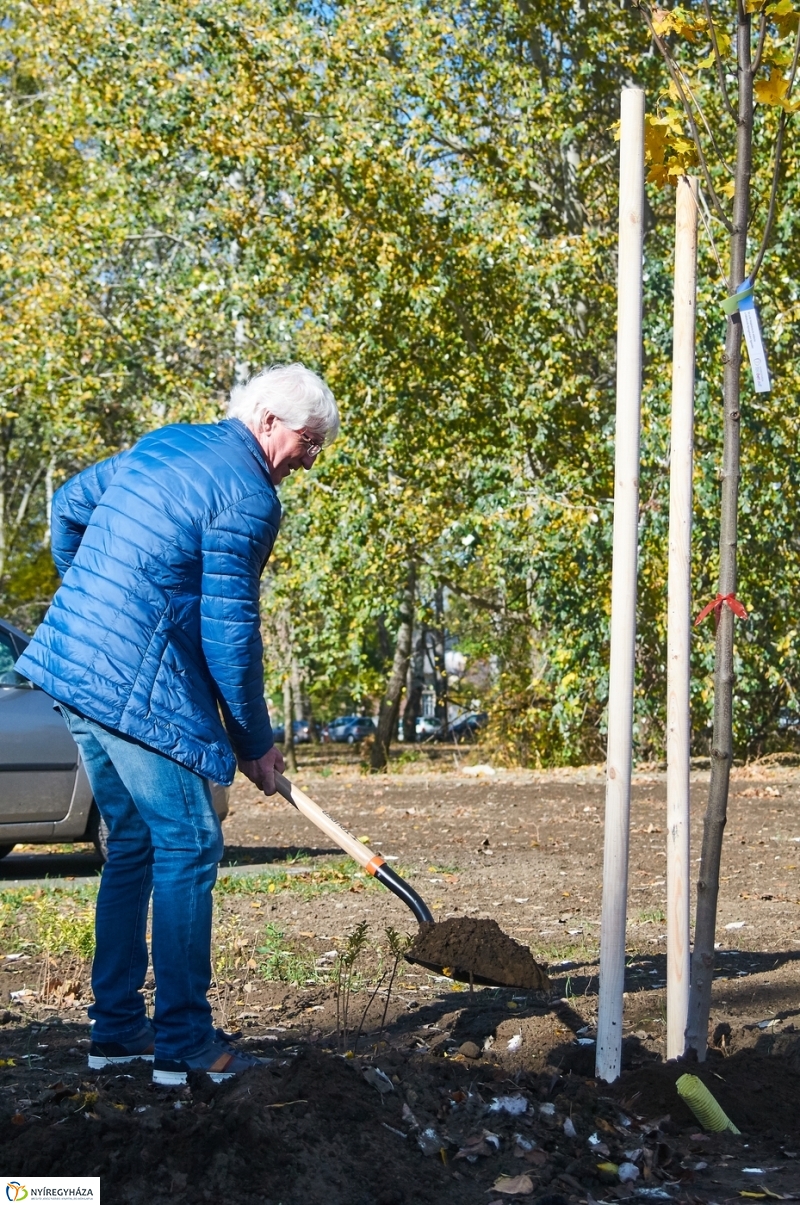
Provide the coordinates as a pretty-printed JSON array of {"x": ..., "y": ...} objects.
[{"x": 463, "y": 948}]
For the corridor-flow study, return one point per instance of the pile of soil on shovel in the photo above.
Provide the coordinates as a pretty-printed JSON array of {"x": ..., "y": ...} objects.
[
  {"x": 462, "y": 945},
  {"x": 402, "y": 1127}
]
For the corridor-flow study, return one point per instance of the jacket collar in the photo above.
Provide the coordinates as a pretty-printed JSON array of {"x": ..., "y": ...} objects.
[{"x": 246, "y": 435}]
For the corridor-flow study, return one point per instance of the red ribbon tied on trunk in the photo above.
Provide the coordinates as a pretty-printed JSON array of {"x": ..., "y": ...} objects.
[{"x": 715, "y": 605}]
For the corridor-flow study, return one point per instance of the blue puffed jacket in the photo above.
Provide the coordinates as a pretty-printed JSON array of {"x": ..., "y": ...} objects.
[{"x": 155, "y": 628}]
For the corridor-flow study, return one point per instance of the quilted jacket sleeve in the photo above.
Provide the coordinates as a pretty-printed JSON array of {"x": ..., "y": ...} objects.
[
  {"x": 236, "y": 546},
  {"x": 72, "y": 509}
]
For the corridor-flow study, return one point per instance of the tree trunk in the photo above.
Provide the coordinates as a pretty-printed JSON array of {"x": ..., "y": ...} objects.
[
  {"x": 439, "y": 672},
  {"x": 722, "y": 748},
  {"x": 298, "y": 695},
  {"x": 416, "y": 685},
  {"x": 48, "y": 499},
  {"x": 308, "y": 710},
  {"x": 288, "y": 717},
  {"x": 390, "y": 703}
]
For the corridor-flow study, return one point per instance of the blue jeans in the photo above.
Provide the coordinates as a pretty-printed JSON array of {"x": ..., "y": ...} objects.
[{"x": 164, "y": 840}]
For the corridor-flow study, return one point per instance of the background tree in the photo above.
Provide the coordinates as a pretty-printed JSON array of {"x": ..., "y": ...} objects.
[{"x": 419, "y": 200}]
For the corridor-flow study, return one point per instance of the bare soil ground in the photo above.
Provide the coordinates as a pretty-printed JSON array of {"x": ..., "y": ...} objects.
[{"x": 319, "y": 1126}]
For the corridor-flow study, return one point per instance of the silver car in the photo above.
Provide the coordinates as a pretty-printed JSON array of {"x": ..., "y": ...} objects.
[{"x": 45, "y": 795}]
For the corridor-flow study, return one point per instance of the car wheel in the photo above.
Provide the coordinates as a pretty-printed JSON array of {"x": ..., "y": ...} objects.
[
  {"x": 351, "y": 740},
  {"x": 5, "y": 850},
  {"x": 97, "y": 832}
]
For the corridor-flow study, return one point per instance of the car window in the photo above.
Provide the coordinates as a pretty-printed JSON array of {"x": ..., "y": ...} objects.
[{"x": 8, "y": 655}]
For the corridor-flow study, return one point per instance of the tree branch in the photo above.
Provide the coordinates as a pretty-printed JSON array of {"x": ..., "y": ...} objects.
[
  {"x": 776, "y": 169},
  {"x": 762, "y": 37},
  {"x": 793, "y": 72},
  {"x": 709, "y": 131},
  {"x": 483, "y": 604},
  {"x": 687, "y": 108},
  {"x": 773, "y": 199},
  {"x": 718, "y": 60}
]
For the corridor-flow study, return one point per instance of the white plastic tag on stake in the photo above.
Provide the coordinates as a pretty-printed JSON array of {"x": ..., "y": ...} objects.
[{"x": 744, "y": 301}]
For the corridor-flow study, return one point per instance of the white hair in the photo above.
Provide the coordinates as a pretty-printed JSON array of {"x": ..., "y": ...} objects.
[{"x": 292, "y": 393}]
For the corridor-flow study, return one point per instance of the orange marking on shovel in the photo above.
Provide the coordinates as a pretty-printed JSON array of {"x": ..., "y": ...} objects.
[{"x": 373, "y": 864}]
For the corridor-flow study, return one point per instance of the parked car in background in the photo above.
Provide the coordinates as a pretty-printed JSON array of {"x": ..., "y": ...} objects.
[
  {"x": 465, "y": 727},
  {"x": 300, "y": 728},
  {"x": 350, "y": 729},
  {"x": 427, "y": 728},
  {"x": 45, "y": 795}
]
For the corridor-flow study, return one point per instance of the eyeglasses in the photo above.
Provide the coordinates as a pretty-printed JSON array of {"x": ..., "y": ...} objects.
[{"x": 312, "y": 447}]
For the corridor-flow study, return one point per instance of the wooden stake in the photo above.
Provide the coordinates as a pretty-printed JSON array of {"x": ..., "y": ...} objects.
[
  {"x": 623, "y": 584},
  {"x": 679, "y": 601}
]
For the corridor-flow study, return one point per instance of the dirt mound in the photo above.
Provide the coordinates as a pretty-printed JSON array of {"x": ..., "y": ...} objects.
[
  {"x": 308, "y": 1129},
  {"x": 759, "y": 1089},
  {"x": 403, "y": 1127},
  {"x": 462, "y": 945}
]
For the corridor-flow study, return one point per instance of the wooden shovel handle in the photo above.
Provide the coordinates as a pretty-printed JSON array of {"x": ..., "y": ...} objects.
[
  {"x": 374, "y": 864},
  {"x": 357, "y": 850}
]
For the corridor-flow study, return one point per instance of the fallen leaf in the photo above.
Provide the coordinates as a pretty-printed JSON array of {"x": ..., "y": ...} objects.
[
  {"x": 513, "y": 1186},
  {"x": 476, "y": 1147}
]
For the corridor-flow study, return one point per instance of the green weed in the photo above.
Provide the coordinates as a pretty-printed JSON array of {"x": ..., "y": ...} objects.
[
  {"x": 280, "y": 961},
  {"x": 343, "y": 875},
  {"x": 407, "y": 757},
  {"x": 354, "y": 946},
  {"x": 652, "y": 916},
  {"x": 52, "y": 920},
  {"x": 549, "y": 953}
]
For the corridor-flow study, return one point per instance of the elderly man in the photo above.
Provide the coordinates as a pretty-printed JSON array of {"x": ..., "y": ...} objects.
[{"x": 153, "y": 650}]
